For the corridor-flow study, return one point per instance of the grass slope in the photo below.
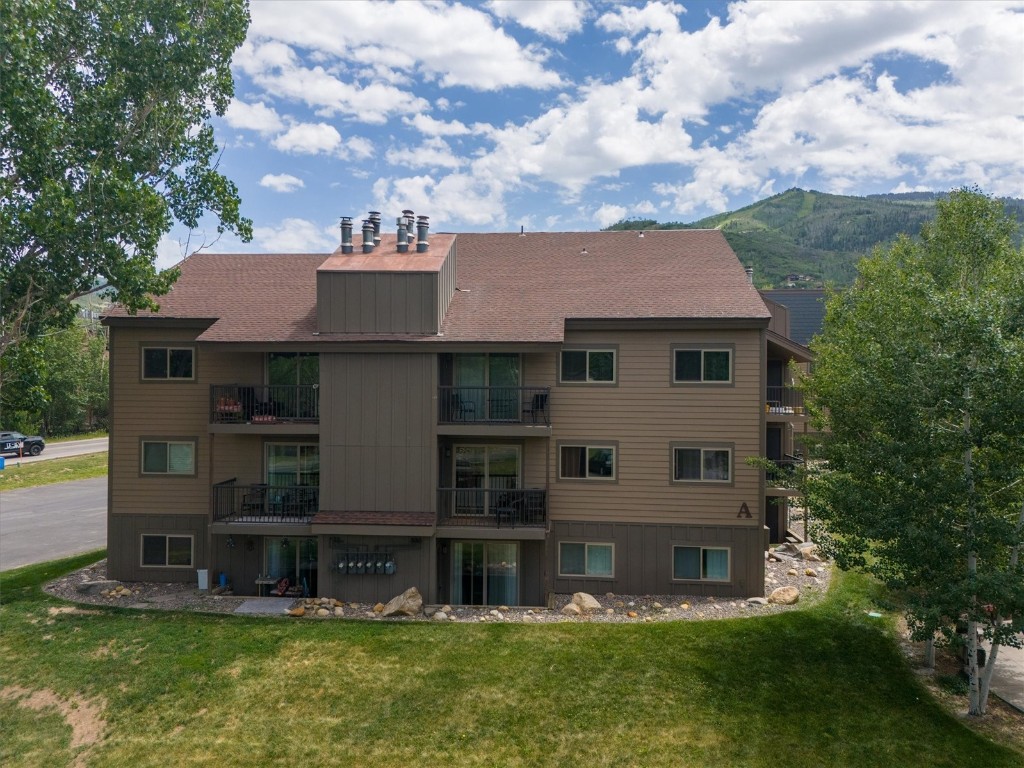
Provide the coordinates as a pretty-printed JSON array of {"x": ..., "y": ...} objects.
[
  {"x": 827, "y": 686},
  {"x": 17, "y": 475}
]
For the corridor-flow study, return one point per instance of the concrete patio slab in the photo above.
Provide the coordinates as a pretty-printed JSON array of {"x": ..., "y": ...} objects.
[{"x": 264, "y": 606}]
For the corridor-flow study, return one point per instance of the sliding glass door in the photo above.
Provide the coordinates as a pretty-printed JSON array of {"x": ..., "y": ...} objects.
[
  {"x": 480, "y": 470},
  {"x": 485, "y": 573},
  {"x": 488, "y": 386}
]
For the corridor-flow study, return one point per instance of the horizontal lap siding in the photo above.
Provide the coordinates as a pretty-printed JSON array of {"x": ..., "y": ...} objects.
[
  {"x": 644, "y": 414},
  {"x": 161, "y": 410}
]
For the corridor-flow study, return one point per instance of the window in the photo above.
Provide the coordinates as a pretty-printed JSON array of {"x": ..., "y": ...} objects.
[
  {"x": 702, "y": 465},
  {"x": 167, "y": 363},
  {"x": 168, "y": 458},
  {"x": 166, "y": 551},
  {"x": 702, "y": 366},
  {"x": 587, "y": 462},
  {"x": 579, "y": 559},
  {"x": 700, "y": 563},
  {"x": 588, "y": 366}
]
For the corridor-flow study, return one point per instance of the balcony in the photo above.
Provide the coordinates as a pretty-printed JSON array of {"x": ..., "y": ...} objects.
[
  {"x": 784, "y": 401},
  {"x": 274, "y": 404},
  {"x": 233, "y": 503},
  {"x": 494, "y": 405},
  {"x": 492, "y": 508},
  {"x": 779, "y": 480}
]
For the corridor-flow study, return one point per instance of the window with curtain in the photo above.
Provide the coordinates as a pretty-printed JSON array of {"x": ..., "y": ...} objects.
[{"x": 700, "y": 563}]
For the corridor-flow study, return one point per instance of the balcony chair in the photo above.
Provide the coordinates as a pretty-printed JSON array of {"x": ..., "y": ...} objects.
[{"x": 538, "y": 406}]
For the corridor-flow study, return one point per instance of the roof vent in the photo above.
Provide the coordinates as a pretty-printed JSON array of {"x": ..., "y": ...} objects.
[
  {"x": 584, "y": 252},
  {"x": 367, "y": 236},
  {"x": 750, "y": 275},
  {"x": 522, "y": 230},
  {"x": 375, "y": 220},
  {"x": 410, "y": 220},
  {"x": 346, "y": 234},
  {"x": 403, "y": 234},
  {"x": 641, "y": 233},
  {"x": 422, "y": 225}
]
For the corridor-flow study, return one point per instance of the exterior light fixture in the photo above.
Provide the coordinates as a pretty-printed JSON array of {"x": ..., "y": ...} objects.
[{"x": 230, "y": 543}]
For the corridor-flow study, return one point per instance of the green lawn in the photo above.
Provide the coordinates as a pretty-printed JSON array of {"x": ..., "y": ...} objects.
[
  {"x": 822, "y": 687},
  {"x": 16, "y": 475}
]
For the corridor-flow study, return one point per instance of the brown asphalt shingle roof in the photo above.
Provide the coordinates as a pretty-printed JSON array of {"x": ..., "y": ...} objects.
[{"x": 512, "y": 288}]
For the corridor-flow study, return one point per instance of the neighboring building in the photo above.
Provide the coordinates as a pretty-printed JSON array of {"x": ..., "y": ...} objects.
[
  {"x": 806, "y": 310},
  {"x": 492, "y": 418}
]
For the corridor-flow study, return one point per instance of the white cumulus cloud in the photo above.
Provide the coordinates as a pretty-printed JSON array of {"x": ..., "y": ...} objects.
[
  {"x": 281, "y": 182},
  {"x": 309, "y": 139},
  {"x": 254, "y": 117},
  {"x": 556, "y": 20},
  {"x": 295, "y": 235}
]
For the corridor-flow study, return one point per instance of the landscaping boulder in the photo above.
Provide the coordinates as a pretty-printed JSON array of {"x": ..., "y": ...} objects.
[
  {"x": 784, "y": 596},
  {"x": 587, "y": 603},
  {"x": 572, "y": 609},
  {"x": 96, "y": 587},
  {"x": 409, "y": 603},
  {"x": 757, "y": 600}
]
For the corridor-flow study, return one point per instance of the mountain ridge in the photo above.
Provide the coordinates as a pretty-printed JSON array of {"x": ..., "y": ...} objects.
[{"x": 806, "y": 238}]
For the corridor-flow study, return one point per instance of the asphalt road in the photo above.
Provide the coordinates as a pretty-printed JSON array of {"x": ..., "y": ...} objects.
[
  {"x": 52, "y": 521},
  {"x": 62, "y": 450}
]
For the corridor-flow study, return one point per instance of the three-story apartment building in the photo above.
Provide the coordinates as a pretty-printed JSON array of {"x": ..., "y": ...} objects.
[{"x": 491, "y": 418}]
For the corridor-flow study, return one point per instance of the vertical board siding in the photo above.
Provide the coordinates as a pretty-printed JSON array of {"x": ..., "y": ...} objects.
[
  {"x": 643, "y": 558},
  {"x": 644, "y": 414},
  {"x": 378, "y": 445},
  {"x": 124, "y": 533},
  {"x": 414, "y": 567},
  {"x": 379, "y": 302}
]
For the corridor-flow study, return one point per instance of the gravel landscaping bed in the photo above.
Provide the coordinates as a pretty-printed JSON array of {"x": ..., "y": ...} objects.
[{"x": 90, "y": 586}]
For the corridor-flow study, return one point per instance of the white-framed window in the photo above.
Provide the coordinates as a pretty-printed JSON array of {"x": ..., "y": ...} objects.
[
  {"x": 168, "y": 363},
  {"x": 164, "y": 550},
  {"x": 577, "y": 558},
  {"x": 702, "y": 365},
  {"x": 168, "y": 457},
  {"x": 586, "y": 462},
  {"x": 587, "y": 366},
  {"x": 696, "y": 464},
  {"x": 700, "y": 563}
]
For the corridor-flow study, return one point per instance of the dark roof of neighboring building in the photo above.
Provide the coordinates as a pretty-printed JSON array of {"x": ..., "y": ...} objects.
[
  {"x": 806, "y": 311},
  {"x": 510, "y": 287}
]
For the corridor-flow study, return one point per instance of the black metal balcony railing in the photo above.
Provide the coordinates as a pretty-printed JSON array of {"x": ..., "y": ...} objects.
[
  {"x": 493, "y": 405},
  {"x": 781, "y": 476},
  {"x": 492, "y": 508},
  {"x": 784, "y": 400},
  {"x": 246, "y": 404},
  {"x": 234, "y": 503}
]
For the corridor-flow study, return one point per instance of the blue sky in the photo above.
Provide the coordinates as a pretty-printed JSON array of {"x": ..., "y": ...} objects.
[{"x": 573, "y": 115}]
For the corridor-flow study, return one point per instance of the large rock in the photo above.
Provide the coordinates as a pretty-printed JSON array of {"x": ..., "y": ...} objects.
[
  {"x": 784, "y": 596},
  {"x": 586, "y": 602},
  {"x": 409, "y": 603},
  {"x": 572, "y": 609},
  {"x": 96, "y": 587}
]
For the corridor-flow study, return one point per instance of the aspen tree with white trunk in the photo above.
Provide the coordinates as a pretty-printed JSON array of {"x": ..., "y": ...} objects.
[{"x": 918, "y": 390}]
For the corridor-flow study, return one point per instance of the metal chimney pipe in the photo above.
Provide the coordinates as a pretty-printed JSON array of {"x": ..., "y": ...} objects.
[
  {"x": 421, "y": 233},
  {"x": 410, "y": 221},
  {"x": 346, "y": 234},
  {"x": 375, "y": 220},
  {"x": 750, "y": 275},
  {"x": 403, "y": 235},
  {"x": 368, "y": 236}
]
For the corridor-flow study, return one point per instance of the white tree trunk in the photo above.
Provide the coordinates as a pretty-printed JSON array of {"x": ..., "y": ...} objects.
[{"x": 929, "y": 652}]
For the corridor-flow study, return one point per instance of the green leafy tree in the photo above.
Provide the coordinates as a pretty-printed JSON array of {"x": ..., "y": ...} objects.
[
  {"x": 104, "y": 143},
  {"x": 918, "y": 386}
]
